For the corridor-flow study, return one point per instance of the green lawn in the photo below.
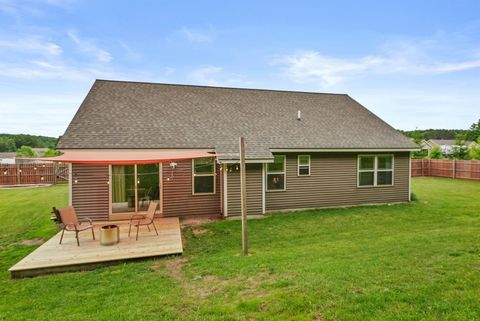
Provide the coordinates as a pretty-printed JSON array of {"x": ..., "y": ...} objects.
[{"x": 417, "y": 261}]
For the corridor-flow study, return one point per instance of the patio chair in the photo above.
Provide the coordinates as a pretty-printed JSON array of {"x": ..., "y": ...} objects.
[
  {"x": 146, "y": 196},
  {"x": 72, "y": 223},
  {"x": 138, "y": 220}
]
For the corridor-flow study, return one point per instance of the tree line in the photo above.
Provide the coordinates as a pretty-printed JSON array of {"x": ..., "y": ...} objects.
[
  {"x": 459, "y": 151},
  {"x": 22, "y": 144},
  {"x": 12, "y": 142}
]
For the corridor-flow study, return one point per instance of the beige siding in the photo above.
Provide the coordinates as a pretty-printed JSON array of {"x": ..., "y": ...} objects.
[
  {"x": 90, "y": 192},
  {"x": 178, "y": 199},
  {"x": 333, "y": 182},
  {"x": 254, "y": 191}
]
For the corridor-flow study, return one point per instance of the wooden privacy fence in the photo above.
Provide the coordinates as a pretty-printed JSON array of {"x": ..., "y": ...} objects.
[
  {"x": 33, "y": 173},
  {"x": 468, "y": 169}
]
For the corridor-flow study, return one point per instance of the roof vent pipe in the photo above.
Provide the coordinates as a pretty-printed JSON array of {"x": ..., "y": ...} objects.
[{"x": 299, "y": 115}]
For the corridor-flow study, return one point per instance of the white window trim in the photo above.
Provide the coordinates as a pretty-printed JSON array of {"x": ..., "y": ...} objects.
[
  {"x": 284, "y": 172},
  {"x": 212, "y": 174},
  {"x": 375, "y": 170},
  {"x": 309, "y": 165}
]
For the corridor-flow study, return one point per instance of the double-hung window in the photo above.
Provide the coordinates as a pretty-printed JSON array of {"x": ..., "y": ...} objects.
[
  {"x": 276, "y": 174},
  {"x": 203, "y": 176},
  {"x": 375, "y": 170},
  {"x": 303, "y": 166}
]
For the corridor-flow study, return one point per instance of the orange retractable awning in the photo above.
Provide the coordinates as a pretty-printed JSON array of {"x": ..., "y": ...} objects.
[{"x": 126, "y": 157}]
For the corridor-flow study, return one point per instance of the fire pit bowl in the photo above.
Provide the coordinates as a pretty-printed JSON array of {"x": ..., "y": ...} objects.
[{"x": 109, "y": 234}]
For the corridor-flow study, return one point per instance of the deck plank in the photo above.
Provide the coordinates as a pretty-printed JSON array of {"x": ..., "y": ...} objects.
[{"x": 51, "y": 257}]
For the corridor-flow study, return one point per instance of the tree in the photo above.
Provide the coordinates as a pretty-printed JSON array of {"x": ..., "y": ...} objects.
[
  {"x": 26, "y": 151},
  {"x": 474, "y": 152},
  {"x": 460, "y": 150},
  {"x": 435, "y": 152},
  {"x": 473, "y": 134},
  {"x": 417, "y": 137},
  {"x": 7, "y": 144},
  {"x": 26, "y": 140}
]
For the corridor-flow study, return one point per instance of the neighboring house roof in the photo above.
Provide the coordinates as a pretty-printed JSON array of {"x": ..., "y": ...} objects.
[
  {"x": 129, "y": 115},
  {"x": 448, "y": 142},
  {"x": 7, "y": 155},
  {"x": 11, "y": 157}
]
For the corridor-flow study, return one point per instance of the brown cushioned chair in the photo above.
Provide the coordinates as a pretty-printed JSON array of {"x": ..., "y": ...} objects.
[
  {"x": 138, "y": 220},
  {"x": 72, "y": 223}
]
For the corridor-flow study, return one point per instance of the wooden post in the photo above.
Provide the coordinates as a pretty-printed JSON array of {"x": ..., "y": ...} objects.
[
  {"x": 18, "y": 172},
  {"x": 243, "y": 192},
  {"x": 454, "y": 168}
]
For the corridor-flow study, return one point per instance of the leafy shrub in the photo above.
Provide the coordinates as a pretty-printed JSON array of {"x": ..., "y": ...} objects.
[
  {"x": 51, "y": 152},
  {"x": 26, "y": 151},
  {"x": 435, "y": 152},
  {"x": 474, "y": 152}
]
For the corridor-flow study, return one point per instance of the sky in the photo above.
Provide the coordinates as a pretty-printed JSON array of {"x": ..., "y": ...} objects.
[{"x": 416, "y": 64}]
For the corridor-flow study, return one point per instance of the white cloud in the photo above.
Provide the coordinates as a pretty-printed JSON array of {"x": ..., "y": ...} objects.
[
  {"x": 130, "y": 53},
  {"x": 43, "y": 114},
  {"x": 169, "y": 71},
  {"x": 216, "y": 76},
  {"x": 41, "y": 69},
  {"x": 194, "y": 35},
  {"x": 31, "y": 45},
  {"x": 87, "y": 46},
  {"x": 205, "y": 75},
  {"x": 401, "y": 58},
  {"x": 17, "y": 8},
  {"x": 425, "y": 108}
]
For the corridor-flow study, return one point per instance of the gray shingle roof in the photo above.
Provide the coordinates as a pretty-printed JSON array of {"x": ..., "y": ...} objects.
[
  {"x": 124, "y": 115},
  {"x": 448, "y": 142}
]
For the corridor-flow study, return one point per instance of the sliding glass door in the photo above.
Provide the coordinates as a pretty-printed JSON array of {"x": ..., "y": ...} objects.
[
  {"x": 123, "y": 188},
  {"x": 134, "y": 187},
  {"x": 148, "y": 185}
]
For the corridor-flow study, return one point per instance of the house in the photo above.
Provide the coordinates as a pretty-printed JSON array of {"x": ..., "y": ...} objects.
[
  {"x": 446, "y": 145},
  {"x": 132, "y": 142},
  {"x": 7, "y": 158},
  {"x": 10, "y": 158}
]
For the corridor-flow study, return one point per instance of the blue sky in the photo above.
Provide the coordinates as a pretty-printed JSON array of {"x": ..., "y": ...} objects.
[{"x": 413, "y": 63}]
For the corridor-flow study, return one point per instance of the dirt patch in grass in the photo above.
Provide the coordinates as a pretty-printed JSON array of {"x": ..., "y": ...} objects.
[
  {"x": 319, "y": 316},
  {"x": 196, "y": 221},
  {"x": 203, "y": 286},
  {"x": 174, "y": 266},
  {"x": 199, "y": 231},
  {"x": 31, "y": 242}
]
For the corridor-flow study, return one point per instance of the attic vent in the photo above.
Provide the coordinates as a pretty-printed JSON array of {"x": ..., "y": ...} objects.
[{"x": 299, "y": 115}]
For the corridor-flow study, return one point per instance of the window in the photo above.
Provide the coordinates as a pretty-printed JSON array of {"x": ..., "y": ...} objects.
[
  {"x": 375, "y": 170},
  {"x": 276, "y": 174},
  {"x": 204, "y": 176},
  {"x": 303, "y": 165}
]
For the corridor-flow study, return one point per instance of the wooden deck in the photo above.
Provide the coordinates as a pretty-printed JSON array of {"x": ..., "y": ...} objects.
[{"x": 51, "y": 257}]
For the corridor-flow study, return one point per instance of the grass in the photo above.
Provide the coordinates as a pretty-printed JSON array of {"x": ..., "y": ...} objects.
[{"x": 418, "y": 261}]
